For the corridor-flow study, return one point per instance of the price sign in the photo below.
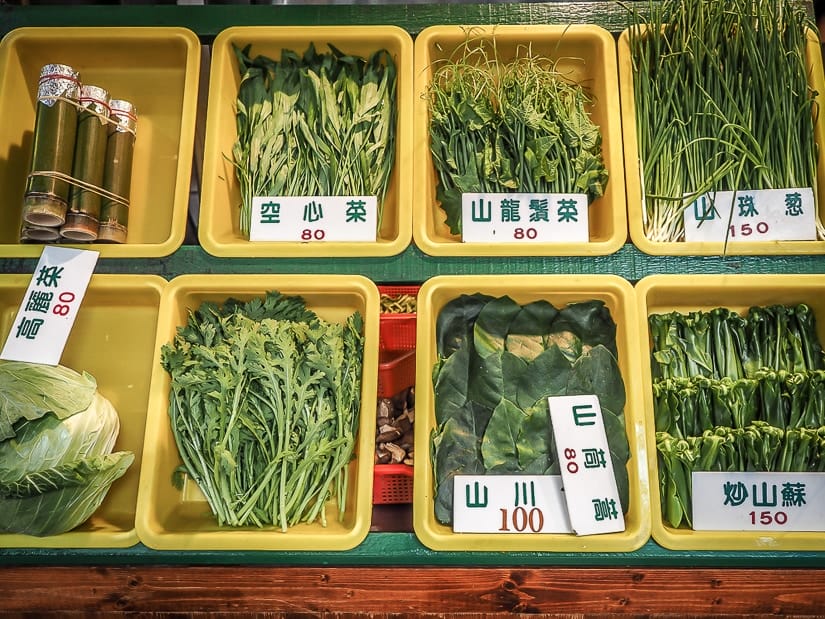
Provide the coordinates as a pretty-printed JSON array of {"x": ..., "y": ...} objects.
[
  {"x": 509, "y": 504},
  {"x": 752, "y": 215},
  {"x": 524, "y": 218},
  {"x": 49, "y": 307},
  {"x": 590, "y": 489},
  {"x": 758, "y": 501},
  {"x": 314, "y": 218}
]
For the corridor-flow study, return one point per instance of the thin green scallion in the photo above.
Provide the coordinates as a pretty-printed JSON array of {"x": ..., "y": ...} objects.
[{"x": 723, "y": 103}]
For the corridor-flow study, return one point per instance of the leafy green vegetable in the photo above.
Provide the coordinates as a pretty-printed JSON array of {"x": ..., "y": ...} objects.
[
  {"x": 498, "y": 363},
  {"x": 321, "y": 124},
  {"x": 57, "y": 465},
  {"x": 499, "y": 126},
  {"x": 264, "y": 408},
  {"x": 30, "y": 390}
]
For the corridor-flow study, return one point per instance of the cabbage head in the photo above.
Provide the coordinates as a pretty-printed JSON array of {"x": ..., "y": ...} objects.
[{"x": 57, "y": 466}]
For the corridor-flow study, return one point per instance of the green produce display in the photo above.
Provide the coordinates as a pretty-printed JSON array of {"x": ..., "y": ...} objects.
[
  {"x": 509, "y": 126},
  {"x": 722, "y": 102},
  {"x": 56, "y": 458},
  {"x": 735, "y": 393},
  {"x": 498, "y": 361},
  {"x": 264, "y": 406},
  {"x": 321, "y": 124}
]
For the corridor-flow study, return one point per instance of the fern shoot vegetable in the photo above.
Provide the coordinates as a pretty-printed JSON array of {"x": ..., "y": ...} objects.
[{"x": 735, "y": 393}]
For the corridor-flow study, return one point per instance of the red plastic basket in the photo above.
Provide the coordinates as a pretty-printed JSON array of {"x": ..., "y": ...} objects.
[
  {"x": 392, "y": 483},
  {"x": 396, "y": 371}
]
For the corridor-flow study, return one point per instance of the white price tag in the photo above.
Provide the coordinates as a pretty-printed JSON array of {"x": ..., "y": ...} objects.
[
  {"x": 752, "y": 215},
  {"x": 758, "y": 501},
  {"x": 524, "y": 218},
  {"x": 314, "y": 218},
  {"x": 590, "y": 489},
  {"x": 49, "y": 307},
  {"x": 509, "y": 504}
]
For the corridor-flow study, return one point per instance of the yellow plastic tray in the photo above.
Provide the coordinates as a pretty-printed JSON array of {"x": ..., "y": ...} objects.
[
  {"x": 588, "y": 55},
  {"x": 219, "y": 228},
  {"x": 169, "y": 519},
  {"x": 560, "y": 290},
  {"x": 665, "y": 293},
  {"x": 635, "y": 210},
  {"x": 155, "y": 68},
  {"x": 112, "y": 339}
]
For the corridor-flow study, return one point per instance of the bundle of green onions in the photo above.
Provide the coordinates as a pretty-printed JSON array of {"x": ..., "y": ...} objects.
[
  {"x": 722, "y": 103},
  {"x": 515, "y": 126},
  {"x": 735, "y": 393},
  {"x": 321, "y": 124}
]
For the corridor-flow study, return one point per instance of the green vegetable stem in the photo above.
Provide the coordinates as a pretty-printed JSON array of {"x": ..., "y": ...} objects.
[{"x": 264, "y": 408}]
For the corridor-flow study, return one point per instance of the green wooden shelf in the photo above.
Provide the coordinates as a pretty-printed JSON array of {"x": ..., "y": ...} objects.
[{"x": 413, "y": 266}]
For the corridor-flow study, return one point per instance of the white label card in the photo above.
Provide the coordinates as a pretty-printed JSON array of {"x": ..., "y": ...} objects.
[
  {"x": 49, "y": 307},
  {"x": 524, "y": 218},
  {"x": 314, "y": 218},
  {"x": 590, "y": 489},
  {"x": 758, "y": 501},
  {"x": 509, "y": 504},
  {"x": 752, "y": 215}
]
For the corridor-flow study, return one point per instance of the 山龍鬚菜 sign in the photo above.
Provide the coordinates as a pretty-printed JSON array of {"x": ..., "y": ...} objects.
[{"x": 524, "y": 218}]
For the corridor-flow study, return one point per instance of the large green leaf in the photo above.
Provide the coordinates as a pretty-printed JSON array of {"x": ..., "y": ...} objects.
[
  {"x": 455, "y": 321},
  {"x": 493, "y": 324},
  {"x": 30, "y": 390},
  {"x": 535, "y": 439},
  {"x": 451, "y": 384},
  {"x": 58, "y": 499},
  {"x": 458, "y": 453},
  {"x": 499, "y": 446},
  {"x": 547, "y": 375},
  {"x": 597, "y": 372},
  {"x": 590, "y": 321}
]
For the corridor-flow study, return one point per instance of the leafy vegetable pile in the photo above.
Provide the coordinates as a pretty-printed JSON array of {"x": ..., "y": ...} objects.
[
  {"x": 264, "y": 407},
  {"x": 735, "y": 393},
  {"x": 517, "y": 126},
  {"x": 498, "y": 362},
  {"x": 722, "y": 103},
  {"x": 56, "y": 439},
  {"x": 321, "y": 124}
]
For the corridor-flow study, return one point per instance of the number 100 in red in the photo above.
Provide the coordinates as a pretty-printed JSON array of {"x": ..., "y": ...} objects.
[{"x": 520, "y": 519}]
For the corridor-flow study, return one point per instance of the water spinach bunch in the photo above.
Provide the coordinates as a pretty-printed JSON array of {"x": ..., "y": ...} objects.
[
  {"x": 264, "y": 407},
  {"x": 509, "y": 126},
  {"x": 735, "y": 392},
  {"x": 498, "y": 362},
  {"x": 723, "y": 103},
  {"x": 317, "y": 124}
]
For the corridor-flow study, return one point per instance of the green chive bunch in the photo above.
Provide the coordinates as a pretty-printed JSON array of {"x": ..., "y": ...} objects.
[{"x": 722, "y": 101}]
